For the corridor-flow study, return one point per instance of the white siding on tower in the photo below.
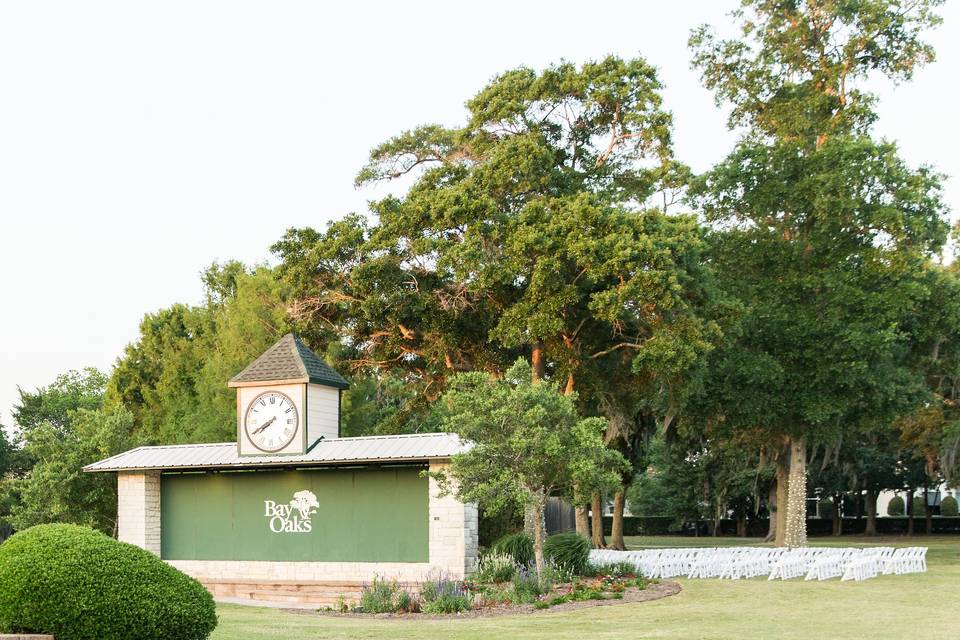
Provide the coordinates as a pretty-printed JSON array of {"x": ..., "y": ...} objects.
[{"x": 323, "y": 413}]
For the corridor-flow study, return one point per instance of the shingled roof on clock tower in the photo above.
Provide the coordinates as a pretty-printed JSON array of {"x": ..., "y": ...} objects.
[{"x": 289, "y": 360}]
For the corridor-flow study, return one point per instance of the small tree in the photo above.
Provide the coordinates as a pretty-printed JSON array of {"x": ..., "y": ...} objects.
[{"x": 528, "y": 443}]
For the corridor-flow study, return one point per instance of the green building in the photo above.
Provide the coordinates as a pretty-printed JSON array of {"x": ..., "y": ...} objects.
[{"x": 290, "y": 511}]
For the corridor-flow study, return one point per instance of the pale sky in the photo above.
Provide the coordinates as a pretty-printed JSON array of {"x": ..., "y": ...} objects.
[{"x": 141, "y": 141}]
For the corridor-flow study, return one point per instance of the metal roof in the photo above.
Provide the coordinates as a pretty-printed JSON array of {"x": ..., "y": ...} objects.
[
  {"x": 290, "y": 359},
  {"x": 337, "y": 451}
]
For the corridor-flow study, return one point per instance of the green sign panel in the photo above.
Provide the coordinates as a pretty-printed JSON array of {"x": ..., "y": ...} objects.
[{"x": 334, "y": 515}]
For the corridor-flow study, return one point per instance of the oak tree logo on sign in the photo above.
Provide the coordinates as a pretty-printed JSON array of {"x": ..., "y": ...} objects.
[{"x": 293, "y": 517}]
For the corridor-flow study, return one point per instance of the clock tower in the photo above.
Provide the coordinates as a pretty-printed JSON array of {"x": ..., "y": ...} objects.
[{"x": 287, "y": 400}]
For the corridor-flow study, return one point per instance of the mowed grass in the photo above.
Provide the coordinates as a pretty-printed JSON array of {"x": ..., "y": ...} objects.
[{"x": 908, "y": 606}]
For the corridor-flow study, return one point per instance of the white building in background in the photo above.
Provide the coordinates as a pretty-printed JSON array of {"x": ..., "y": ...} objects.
[{"x": 938, "y": 494}]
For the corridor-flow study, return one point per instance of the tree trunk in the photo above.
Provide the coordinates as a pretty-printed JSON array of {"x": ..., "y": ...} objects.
[
  {"x": 909, "y": 507},
  {"x": 568, "y": 390},
  {"x": 529, "y": 519},
  {"x": 928, "y": 511},
  {"x": 796, "y": 517},
  {"x": 538, "y": 534},
  {"x": 741, "y": 525},
  {"x": 782, "y": 482},
  {"x": 538, "y": 362},
  {"x": 871, "y": 507},
  {"x": 596, "y": 521},
  {"x": 772, "y": 513},
  {"x": 837, "y": 515},
  {"x": 583, "y": 521},
  {"x": 616, "y": 530}
]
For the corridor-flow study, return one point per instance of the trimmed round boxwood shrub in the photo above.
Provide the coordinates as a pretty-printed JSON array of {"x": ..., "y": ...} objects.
[
  {"x": 518, "y": 546},
  {"x": 949, "y": 507},
  {"x": 570, "y": 550},
  {"x": 76, "y": 583},
  {"x": 895, "y": 507},
  {"x": 919, "y": 506}
]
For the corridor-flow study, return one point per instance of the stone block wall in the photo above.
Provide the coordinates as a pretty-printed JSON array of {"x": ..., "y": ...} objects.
[
  {"x": 138, "y": 509},
  {"x": 453, "y": 531}
]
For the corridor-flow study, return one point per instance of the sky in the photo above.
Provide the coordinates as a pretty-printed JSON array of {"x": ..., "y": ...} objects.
[{"x": 140, "y": 142}]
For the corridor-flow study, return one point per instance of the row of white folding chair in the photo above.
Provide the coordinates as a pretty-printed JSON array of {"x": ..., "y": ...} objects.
[
  {"x": 674, "y": 562},
  {"x": 641, "y": 560},
  {"x": 709, "y": 563},
  {"x": 751, "y": 563},
  {"x": 820, "y": 563},
  {"x": 906, "y": 560},
  {"x": 718, "y": 562},
  {"x": 793, "y": 563},
  {"x": 831, "y": 563},
  {"x": 868, "y": 564},
  {"x": 694, "y": 562}
]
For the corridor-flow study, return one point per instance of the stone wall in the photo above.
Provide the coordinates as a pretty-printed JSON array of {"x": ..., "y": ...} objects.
[
  {"x": 453, "y": 531},
  {"x": 138, "y": 509}
]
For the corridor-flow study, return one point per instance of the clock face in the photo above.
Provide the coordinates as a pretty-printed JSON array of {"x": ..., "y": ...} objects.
[{"x": 271, "y": 421}]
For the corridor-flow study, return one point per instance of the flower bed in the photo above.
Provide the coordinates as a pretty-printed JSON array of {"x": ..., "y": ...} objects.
[{"x": 502, "y": 587}]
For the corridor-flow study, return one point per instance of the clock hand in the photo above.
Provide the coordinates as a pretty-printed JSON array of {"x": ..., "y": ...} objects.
[{"x": 264, "y": 425}]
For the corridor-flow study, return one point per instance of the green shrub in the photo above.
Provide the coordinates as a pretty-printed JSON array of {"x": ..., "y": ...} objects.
[
  {"x": 949, "y": 507},
  {"x": 582, "y": 592},
  {"x": 385, "y": 596},
  {"x": 528, "y": 586},
  {"x": 495, "y": 567},
  {"x": 825, "y": 508},
  {"x": 442, "y": 595},
  {"x": 518, "y": 546},
  {"x": 76, "y": 583},
  {"x": 620, "y": 569},
  {"x": 919, "y": 506},
  {"x": 895, "y": 506},
  {"x": 405, "y": 601},
  {"x": 447, "y": 603},
  {"x": 541, "y": 604},
  {"x": 570, "y": 550},
  {"x": 554, "y": 573},
  {"x": 497, "y": 595}
]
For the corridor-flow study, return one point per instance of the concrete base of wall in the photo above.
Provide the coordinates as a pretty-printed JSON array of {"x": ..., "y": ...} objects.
[
  {"x": 303, "y": 584},
  {"x": 313, "y": 595}
]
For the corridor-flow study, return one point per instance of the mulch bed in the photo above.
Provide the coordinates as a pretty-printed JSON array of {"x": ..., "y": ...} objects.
[{"x": 630, "y": 596}]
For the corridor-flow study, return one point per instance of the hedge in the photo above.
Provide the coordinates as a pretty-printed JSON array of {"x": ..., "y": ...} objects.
[
  {"x": 76, "y": 583},
  {"x": 664, "y": 525},
  {"x": 825, "y": 508}
]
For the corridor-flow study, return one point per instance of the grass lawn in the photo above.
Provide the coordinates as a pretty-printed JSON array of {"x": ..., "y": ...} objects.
[{"x": 909, "y": 606}]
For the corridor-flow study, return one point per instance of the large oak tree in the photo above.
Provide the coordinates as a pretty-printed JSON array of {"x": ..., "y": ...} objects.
[
  {"x": 821, "y": 228},
  {"x": 530, "y": 230}
]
